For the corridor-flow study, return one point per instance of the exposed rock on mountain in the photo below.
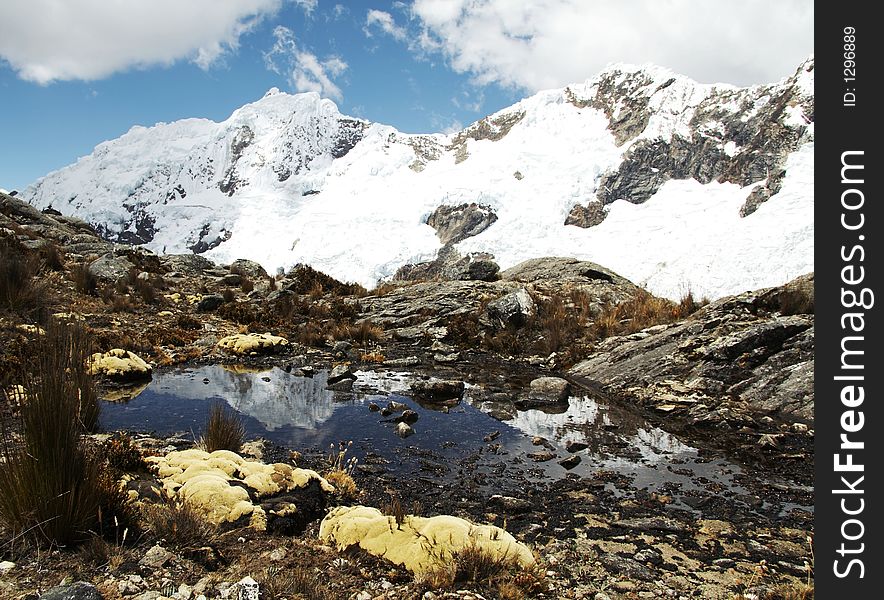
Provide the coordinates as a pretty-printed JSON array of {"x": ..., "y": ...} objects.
[
  {"x": 450, "y": 265},
  {"x": 751, "y": 352},
  {"x": 456, "y": 223},
  {"x": 727, "y": 135}
]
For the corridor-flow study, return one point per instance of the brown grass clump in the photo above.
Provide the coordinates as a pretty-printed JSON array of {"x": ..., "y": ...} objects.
[
  {"x": 84, "y": 281},
  {"x": 53, "y": 489},
  {"x": 51, "y": 257},
  {"x": 179, "y": 523},
  {"x": 122, "y": 454},
  {"x": 340, "y": 472},
  {"x": 501, "y": 576},
  {"x": 188, "y": 322},
  {"x": 19, "y": 291},
  {"x": 640, "y": 312},
  {"x": 229, "y": 295},
  {"x": 295, "y": 582},
  {"x": 306, "y": 280},
  {"x": 224, "y": 430},
  {"x": 372, "y": 357},
  {"x": 366, "y": 331}
]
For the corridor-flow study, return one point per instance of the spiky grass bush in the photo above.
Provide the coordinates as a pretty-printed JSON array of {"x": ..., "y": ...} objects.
[
  {"x": 180, "y": 523},
  {"x": 224, "y": 430},
  {"x": 19, "y": 291},
  {"x": 53, "y": 489}
]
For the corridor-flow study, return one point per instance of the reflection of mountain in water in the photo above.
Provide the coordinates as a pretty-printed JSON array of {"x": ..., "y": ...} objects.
[
  {"x": 284, "y": 400},
  {"x": 599, "y": 425}
]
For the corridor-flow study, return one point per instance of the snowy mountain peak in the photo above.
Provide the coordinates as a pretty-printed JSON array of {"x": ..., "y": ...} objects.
[{"x": 636, "y": 152}]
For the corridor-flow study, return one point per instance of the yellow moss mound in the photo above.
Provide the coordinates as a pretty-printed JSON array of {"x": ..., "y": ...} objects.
[
  {"x": 119, "y": 364},
  {"x": 217, "y": 482},
  {"x": 252, "y": 343},
  {"x": 422, "y": 545}
]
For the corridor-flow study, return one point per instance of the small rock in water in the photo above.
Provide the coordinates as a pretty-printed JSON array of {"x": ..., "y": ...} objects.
[
  {"x": 373, "y": 407},
  {"x": 408, "y": 416},
  {"x": 394, "y": 406},
  {"x": 541, "y": 456},
  {"x": 404, "y": 430},
  {"x": 307, "y": 371},
  {"x": 575, "y": 446},
  {"x": 569, "y": 462},
  {"x": 491, "y": 436},
  {"x": 510, "y": 504},
  {"x": 542, "y": 441},
  {"x": 340, "y": 373}
]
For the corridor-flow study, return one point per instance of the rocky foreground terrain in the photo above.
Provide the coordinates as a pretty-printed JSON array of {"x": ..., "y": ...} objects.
[{"x": 732, "y": 378}]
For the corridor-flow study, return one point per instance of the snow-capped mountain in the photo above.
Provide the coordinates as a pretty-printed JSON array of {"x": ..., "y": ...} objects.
[{"x": 673, "y": 184}]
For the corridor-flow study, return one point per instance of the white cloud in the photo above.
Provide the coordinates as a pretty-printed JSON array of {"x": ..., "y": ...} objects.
[
  {"x": 549, "y": 43},
  {"x": 385, "y": 22},
  {"x": 303, "y": 69},
  {"x": 48, "y": 40}
]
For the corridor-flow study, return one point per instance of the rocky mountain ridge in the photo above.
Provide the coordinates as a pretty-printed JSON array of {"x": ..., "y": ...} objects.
[{"x": 289, "y": 179}]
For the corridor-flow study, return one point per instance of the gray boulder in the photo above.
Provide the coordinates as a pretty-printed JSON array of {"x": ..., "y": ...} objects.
[
  {"x": 248, "y": 268},
  {"x": 456, "y": 223},
  {"x": 74, "y": 591},
  {"x": 210, "y": 303},
  {"x": 188, "y": 264},
  {"x": 111, "y": 269},
  {"x": 515, "y": 308}
]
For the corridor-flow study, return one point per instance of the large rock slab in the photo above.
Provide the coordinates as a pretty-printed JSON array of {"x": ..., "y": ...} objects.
[{"x": 749, "y": 349}]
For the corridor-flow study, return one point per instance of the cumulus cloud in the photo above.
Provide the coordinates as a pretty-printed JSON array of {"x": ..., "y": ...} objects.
[
  {"x": 47, "y": 40},
  {"x": 304, "y": 71},
  {"x": 385, "y": 22},
  {"x": 549, "y": 43}
]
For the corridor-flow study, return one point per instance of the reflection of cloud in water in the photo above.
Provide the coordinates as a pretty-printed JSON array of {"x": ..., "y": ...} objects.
[
  {"x": 596, "y": 424},
  {"x": 285, "y": 400}
]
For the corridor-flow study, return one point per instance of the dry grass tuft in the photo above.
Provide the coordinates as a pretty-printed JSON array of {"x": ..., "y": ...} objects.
[
  {"x": 340, "y": 471},
  {"x": 84, "y": 281},
  {"x": 366, "y": 331},
  {"x": 19, "y": 291},
  {"x": 179, "y": 523},
  {"x": 502, "y": 576},
  {"x": 53, "y": 489},
  {"x": 372, "y": 357},
  {"x": 224, "y": 430},
  {"x": 290, "y": 583}
]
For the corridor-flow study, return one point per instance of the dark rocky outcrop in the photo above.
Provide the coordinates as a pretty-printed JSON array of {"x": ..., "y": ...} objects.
[
  {"x": 587, "y": 216},
  {"x": 733, "y": 136},
  {"x": 737, "y": 358},
  {"x": 456, "y": 223},
  {"x": 449, "y": 265}
]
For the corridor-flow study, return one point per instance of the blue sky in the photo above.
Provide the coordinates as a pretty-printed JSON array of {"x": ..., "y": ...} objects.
[{"x": 76, "y": 73}]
